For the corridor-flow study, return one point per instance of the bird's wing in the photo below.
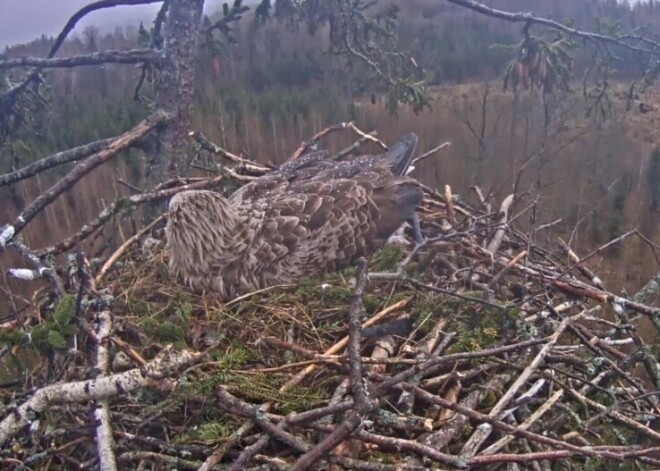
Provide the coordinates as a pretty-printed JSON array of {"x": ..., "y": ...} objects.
[
  {"x": 330, "y": 221},
  {"x": 316, "y": 166},
  {"x": 318, "y": 225}
]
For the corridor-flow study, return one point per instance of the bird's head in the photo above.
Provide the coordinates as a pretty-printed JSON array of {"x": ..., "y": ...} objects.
[{"x": 199, "y": 227}]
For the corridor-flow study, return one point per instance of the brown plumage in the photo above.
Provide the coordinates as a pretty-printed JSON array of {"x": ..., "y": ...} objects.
[{"x": 308, "y": 217}]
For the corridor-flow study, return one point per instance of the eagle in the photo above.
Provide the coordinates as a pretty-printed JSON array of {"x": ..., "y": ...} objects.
[{"x": 309, "y": 216}]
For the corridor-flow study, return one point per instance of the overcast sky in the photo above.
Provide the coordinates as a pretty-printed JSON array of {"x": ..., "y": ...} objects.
[{"x": 24, "y": 20}]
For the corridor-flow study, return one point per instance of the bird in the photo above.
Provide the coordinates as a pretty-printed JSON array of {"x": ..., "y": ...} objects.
[{"x": 305, "y": 218}]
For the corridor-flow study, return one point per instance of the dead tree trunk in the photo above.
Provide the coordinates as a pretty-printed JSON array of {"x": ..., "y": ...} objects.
[{"x": 175, "y": 85}]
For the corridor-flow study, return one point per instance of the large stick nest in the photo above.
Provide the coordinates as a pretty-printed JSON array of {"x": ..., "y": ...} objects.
[{"x": 479, "y": 348}]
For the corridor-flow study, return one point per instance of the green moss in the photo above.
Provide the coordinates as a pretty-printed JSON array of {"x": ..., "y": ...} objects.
[
  {"x": 428, "y": 306},
  {"x": 307, "y": 288},
  {"x": 138, "y": 307},
  {"x": 55, "y": 331},
  {"x": 334, "y": 295},
  {"x": 388, "y": 258},
  {"x": 217, "y": 431},
  {"x": 490, "y": 399},
  {"x": 169, "y": 324},
  {"x": 182, "y": 307},
  {"x": 164, "y": 331},
  {"x": 478, "y": 326},
  {"x": 371, "y": 304},
  {"x": 384, "y": 458},
  {"x": 237, "y": 357},
  {"x": 331, "y": 327}
]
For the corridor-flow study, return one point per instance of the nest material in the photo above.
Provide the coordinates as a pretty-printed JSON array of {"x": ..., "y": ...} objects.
[{"x": 499, "y": 352}]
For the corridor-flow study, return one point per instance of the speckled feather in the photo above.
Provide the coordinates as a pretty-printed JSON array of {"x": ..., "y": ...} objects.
[{"x": 308, "y": 217}]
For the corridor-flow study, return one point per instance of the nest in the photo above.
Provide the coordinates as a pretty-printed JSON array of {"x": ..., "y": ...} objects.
[{"x": 474, "y": 349}]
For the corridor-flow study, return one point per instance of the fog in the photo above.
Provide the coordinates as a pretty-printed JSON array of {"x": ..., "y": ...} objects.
[{"x": 24, "y": 20}]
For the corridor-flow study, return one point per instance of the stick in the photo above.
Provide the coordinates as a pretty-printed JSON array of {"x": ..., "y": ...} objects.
[
  {"x": 369, "y": 137},
  {"x": 120, "y": 251},
  {"x": 121, "y": 143},
  {"x": 496, "y": 241},
  {"x": 506, "y": 268},
  {"x": 131, "y": 56},
  {"x": 165, "y": 364},
  {"x": 304, "y": 147},
  {"x": 246, "y": 164},
  {"x": 121, "y": 205},
  {"x": 429, "y": 153},
  {"x": 54, "y": 160},
  {"x": 104, "y": 440}
]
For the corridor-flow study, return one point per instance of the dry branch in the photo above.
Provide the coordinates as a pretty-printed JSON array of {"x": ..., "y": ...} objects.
[
  {"x": 54, "y": 160},
  {"x": 430, "y": 153},
  {"x": 104, "y": 440},
  {"x": 132, "y": 56},
  {"x": 249, "y": 166},
  {"x": 79, "y": 171},
  {"x": 123, "y": 204},
  {"x": 307, "y": 145},
  {"x": 164, "y": 365},
  {"x": 355, "y": 314},
  {"x": 363, "y": 405},
  {"x": 498, "y": 409},
  {"x": 619, "y": 455},
  {"x": 496, "y": 241},
  {"x": 530, "y": 18}
]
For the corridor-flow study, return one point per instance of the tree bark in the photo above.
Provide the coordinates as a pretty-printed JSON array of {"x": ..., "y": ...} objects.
[{"x": 175, "y": 85}]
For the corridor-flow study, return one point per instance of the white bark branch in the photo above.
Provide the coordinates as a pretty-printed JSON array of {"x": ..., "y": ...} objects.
[
  {"x": 104, "y": 440},
  {"x": 164, "y": 365},
  {"x": 131, "y": 56},
  {"x": 495, "y": 243}
]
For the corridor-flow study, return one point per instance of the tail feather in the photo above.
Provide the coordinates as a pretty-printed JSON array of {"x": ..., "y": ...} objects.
[{"x": 400, "y": 154}]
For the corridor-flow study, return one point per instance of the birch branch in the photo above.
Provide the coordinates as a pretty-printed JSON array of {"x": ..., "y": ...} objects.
[
  {"x": 131, "y": 56},
  {"x": 536, "y": 415},
  {"x": 577, "y": 450},
  {"x": 39, "y": 270},
  {"x": 164, "y": 365},
  {"x": 104, "y": 440}
]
